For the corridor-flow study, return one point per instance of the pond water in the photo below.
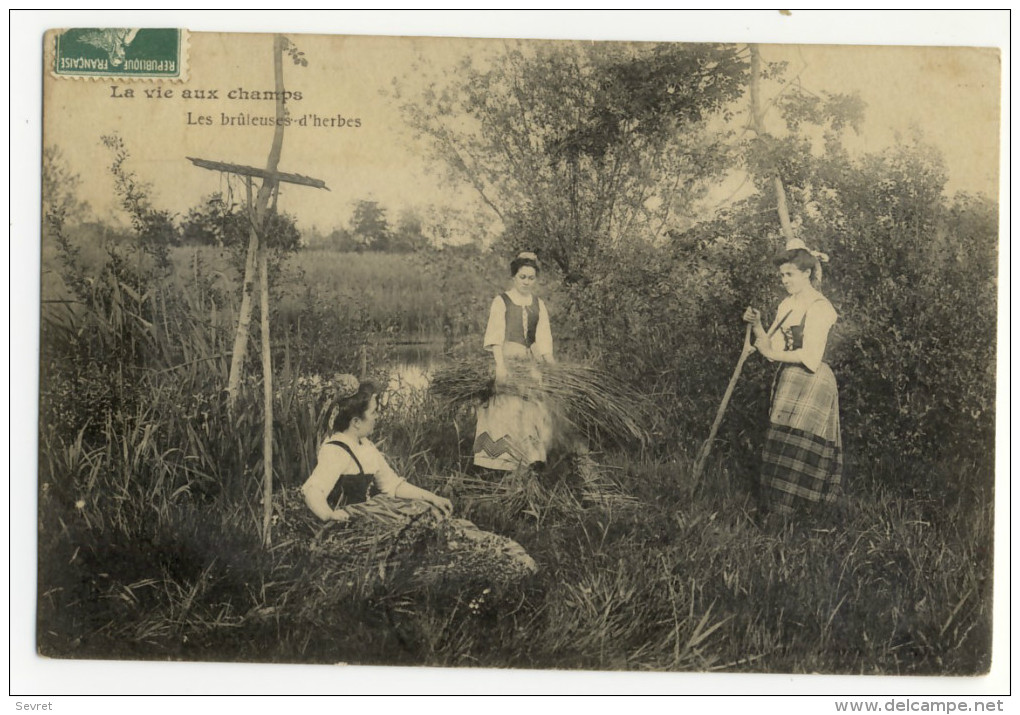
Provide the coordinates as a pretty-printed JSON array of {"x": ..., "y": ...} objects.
[{"x": 412, "y": 364}]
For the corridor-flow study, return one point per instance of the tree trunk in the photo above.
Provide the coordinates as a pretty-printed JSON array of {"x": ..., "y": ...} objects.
[{"x": 758, "y": 124}]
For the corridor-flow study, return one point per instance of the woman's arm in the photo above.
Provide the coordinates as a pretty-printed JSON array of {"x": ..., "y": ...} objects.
[
  {"x": 406, "y": 490},
  {"x": 820, "y": 318},
  {"x": 543, "y": 347},
  {"x": 753, "y": 316},
  {"x": 497, "y": 355},
  {"x": 330, "y": 465},
  {"x": 389, "y": 482},
  {"x": 495, "y": 332}
]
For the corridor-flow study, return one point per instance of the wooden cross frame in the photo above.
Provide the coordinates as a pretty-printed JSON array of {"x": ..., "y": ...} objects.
[
  {"x": 271, "y": 180},
  {"x": 250, "y": 171}
]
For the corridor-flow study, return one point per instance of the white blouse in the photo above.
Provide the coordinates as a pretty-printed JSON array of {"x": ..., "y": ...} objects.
[
  {"x": 495, "y": 331},
  {"x": 334, "y": 461},
  {"x": 821, "y": 316}
]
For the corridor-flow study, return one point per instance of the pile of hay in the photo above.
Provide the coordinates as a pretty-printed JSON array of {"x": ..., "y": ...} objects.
[
  {"x": 383, "y": 545},
  {"x": 584, "y": 397},
  {"x": 565, "y": 487}
]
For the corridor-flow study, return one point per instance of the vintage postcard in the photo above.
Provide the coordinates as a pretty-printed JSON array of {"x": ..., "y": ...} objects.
[{"x": 517, "y": 354}]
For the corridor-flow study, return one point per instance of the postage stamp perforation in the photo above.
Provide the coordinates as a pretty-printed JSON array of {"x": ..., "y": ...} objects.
[{"x": 115, "y": 65}]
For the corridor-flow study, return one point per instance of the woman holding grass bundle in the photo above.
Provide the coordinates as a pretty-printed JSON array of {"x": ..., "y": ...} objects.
[
  {"x": 352, "y": 483},
  {"x": 350, "y": 470},
  {"x": 514, "y": 426},
  {"x": 803, "y": 457}
]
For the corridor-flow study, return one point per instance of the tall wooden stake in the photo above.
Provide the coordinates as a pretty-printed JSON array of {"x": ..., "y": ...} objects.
[
  {"x": 257, "y": 256},
  {"x": 267, "y": 397},
  {"x": 758, "y": 123},
  {"x": 270, "y": 187},
  {"x": 706, "y": 447},
  {"x": 266, "y": 190}
]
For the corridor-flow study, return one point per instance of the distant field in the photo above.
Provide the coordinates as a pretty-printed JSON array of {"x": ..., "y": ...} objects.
[{"x": 402, "y": 295}]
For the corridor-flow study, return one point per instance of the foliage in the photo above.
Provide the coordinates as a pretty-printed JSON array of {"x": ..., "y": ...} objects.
[
  {"x": 153, "y": 227},
  {"x": 60, "y": 189},
  {"x": 578, "y": 147},
  {"x": 369, "y": 225}
]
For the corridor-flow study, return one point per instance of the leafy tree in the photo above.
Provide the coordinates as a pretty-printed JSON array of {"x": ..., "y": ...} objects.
[
  {"x": 369, "y": 225},
  {"x": 579, "y": 147},
  {"x": 60, "y": 188},
  {"x": 154, "y": 228},
  {"x": 218, "y": 223},
  {"x": 409, "y": 234}
]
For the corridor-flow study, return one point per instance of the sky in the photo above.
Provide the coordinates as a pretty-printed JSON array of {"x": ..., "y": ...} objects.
[{"x": 950, "y": 94}]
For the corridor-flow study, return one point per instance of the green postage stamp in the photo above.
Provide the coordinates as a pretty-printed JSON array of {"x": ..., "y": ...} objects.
[{"x": 144, "y": 53}]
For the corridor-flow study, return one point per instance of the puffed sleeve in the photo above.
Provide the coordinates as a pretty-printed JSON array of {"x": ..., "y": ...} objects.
[
  {"x": 821, "y": 316},
  {"x": 495, "y": 330},
  {"x": 386, "y": 480},
  {"x": 543, "y": 332},
  {"x": 330, "y": 464}
]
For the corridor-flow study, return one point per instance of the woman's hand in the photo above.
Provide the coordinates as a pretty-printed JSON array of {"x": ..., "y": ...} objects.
[
  {"x": 753, "y": 317},
  {"x": 444, "y": 505},
  {"x": 340, "y": 515},
  {"x": 502, "y": 376}
]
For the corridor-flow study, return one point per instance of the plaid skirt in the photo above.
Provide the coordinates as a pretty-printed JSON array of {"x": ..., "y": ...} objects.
[{"x": 803, "y": 457}]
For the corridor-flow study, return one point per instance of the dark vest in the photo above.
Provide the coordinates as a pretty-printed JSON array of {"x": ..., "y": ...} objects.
[
  {"x": 793, "y": 337},
  {"x": 350, "y": 488},
  {"x": 515, "y": 332}
]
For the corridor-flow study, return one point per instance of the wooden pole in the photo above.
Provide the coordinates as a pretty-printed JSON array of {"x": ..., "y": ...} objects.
[
  {"x": 267, "y": 397},
  {"x": 706, "y": 448},
  {"x": 244, "y": 314},
  {"x": 261, "y": 204},
  {"x": 270, "y": 188},
  {"x": 758, "y": 123},
  {"x": 257, "y": 256}
]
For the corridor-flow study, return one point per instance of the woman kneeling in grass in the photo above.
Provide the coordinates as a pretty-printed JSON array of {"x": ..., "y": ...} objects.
[
  {"x": 353, "y": 483},
  {"x": 350, "y": 470}
]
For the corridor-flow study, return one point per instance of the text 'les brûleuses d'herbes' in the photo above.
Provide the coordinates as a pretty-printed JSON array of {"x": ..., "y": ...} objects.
[{"x": 247, "y": 119}]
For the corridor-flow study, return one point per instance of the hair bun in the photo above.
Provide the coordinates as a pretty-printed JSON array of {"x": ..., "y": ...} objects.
[
  {"x": 346, "y": 385},
  {"x": 794, "y": 244},
  {"x": 527, "y": 256}
]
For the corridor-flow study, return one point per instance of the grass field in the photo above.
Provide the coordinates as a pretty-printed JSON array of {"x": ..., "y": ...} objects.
[
  {"x": 150, "y": 545},
  {"x": 688, "y": 578}
]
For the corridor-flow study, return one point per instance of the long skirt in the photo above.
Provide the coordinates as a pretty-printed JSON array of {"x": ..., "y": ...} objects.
[
  {"x": 514, "y": 426},
  {"x": 803, "y": 457},
  {"x": 402, "y": 541}
]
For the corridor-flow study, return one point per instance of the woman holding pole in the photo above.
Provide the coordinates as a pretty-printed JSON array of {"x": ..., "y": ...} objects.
[{"x": 803, "y": 457}]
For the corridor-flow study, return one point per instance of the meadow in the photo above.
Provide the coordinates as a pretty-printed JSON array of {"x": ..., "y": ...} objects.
[{"x": 149, "y": 521}]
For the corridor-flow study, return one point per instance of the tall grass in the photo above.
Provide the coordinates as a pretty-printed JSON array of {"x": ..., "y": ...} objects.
[{"x": 150, "y": 546}]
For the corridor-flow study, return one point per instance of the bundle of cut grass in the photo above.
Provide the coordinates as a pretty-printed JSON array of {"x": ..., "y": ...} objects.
[
  {"x": 411, "y": 544},
  {"x": 584, "y": 397},
  {"x": 564, "y": 488}
]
